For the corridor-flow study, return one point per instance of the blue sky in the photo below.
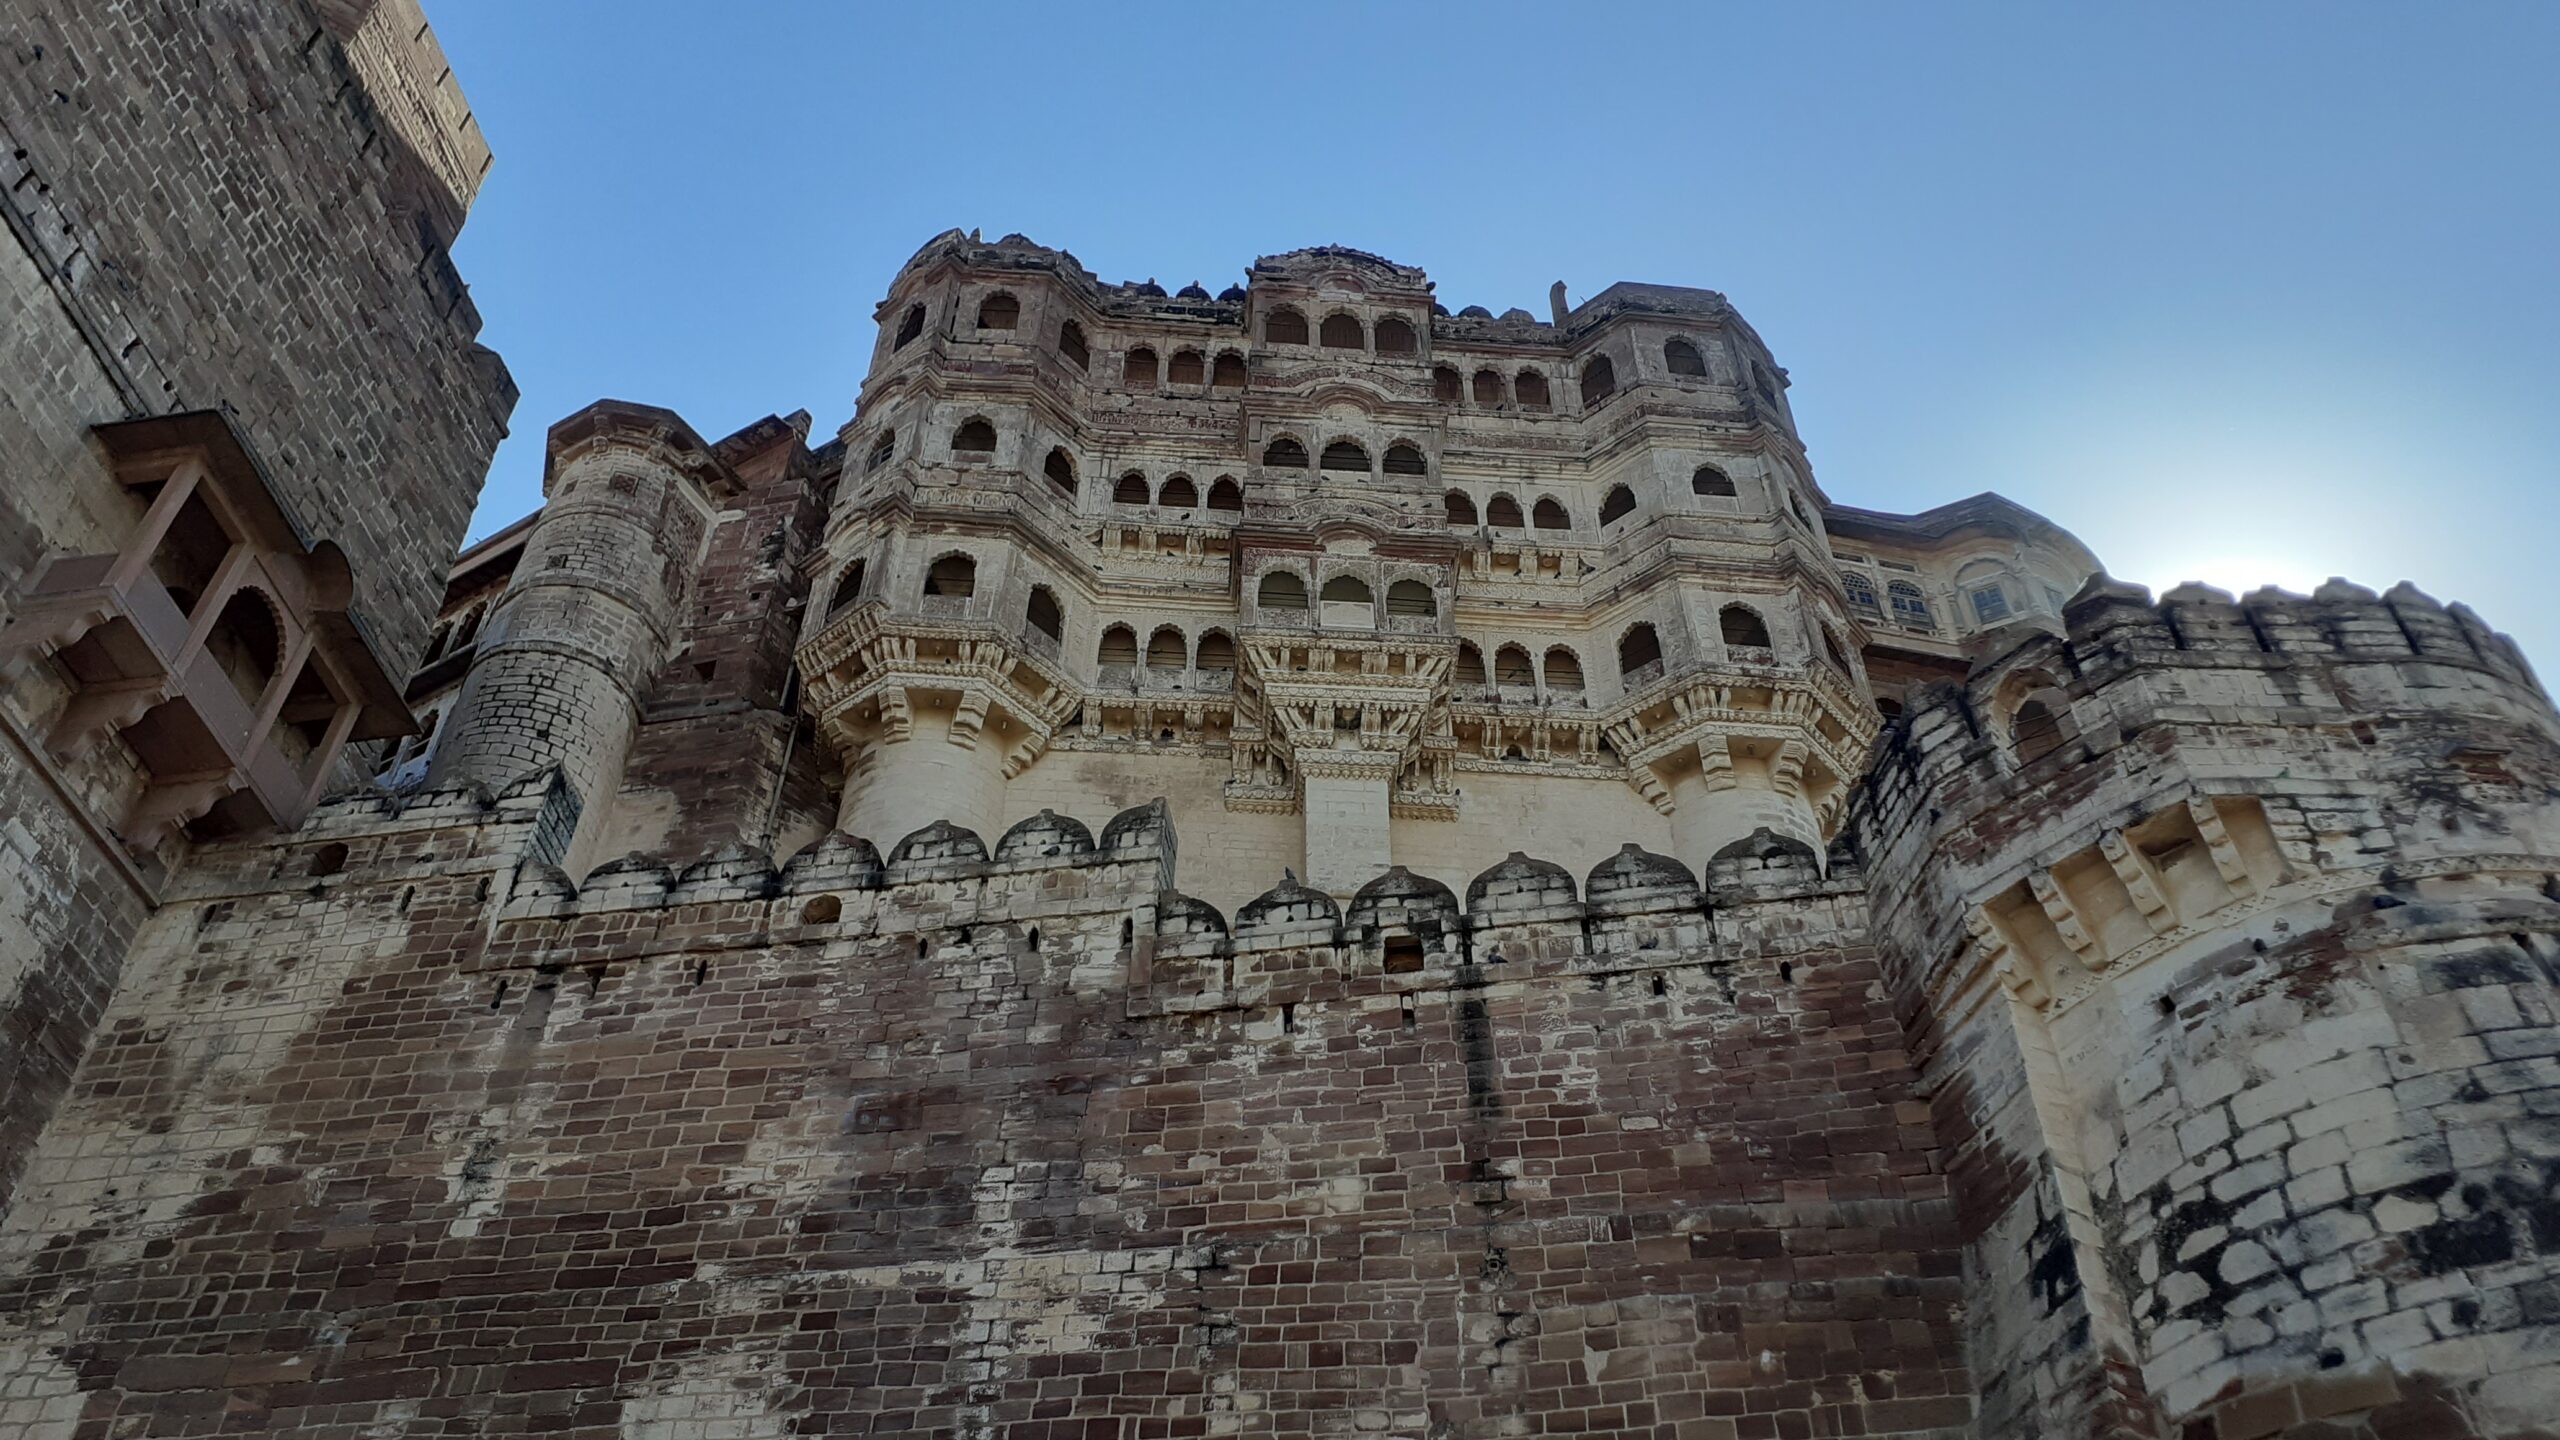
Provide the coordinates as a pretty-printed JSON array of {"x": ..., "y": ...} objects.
[{"x": 2250, "y": 294}]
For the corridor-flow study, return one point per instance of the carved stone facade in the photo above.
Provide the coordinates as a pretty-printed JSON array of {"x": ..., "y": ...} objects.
[{"x": 1282, "y": 864}]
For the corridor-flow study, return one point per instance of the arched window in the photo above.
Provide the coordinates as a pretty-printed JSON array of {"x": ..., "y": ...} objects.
[
  {"x": 2035, "y": 730},
  {"x": 1344, "y": 455},
  {"x": 1406, "y": 460},
  {"x": 1461, "y": 508},
  {"x": 1741, "y": 626},
  {"x": 1910, "y": 607},
  {"x": 999, "y": 311},
  {"x": 1166, "y": 650},
  {"x": 1217, "y": 652},
  {"x": 1138, "y": 372},
  {"x": 470, "y": 630},
  {"x": 1228, "y": 373},
  {"x": 1599, "y": 381},
  {"x": 1284, "y": 454},
  {"x": 1341, "y": 332},
  {"x": 1511, "y": 666},
  {"x": 1620, "y": 504},
  {"x": 1548, "y": 515},
  {"x": 1990, "y": 602},
  {"x": 1179, "y": 494},
  {"x": 953, "y": 575},
  {"x": 1060, "y": 470},
  {"x": 1187, "y": 369},
  {"x": 247, "y": 643},
  {"x": 1281, "y": 590},
  {"x": 1488, "y": 387},
  {"x": 1531, "y": 387},
  {"x": 1683, "y": 358},
  {"x": 881, "y": 451},
  {"x": 1226, "y": 494},
  {"x": 910, "y": 327},
  {"x": 1564, "y": 671},
  {"x": 976, "y": 437},
  {"x": 1862, "y": 591},
  {"x": 435, "y": 646},
  {"x": 1119, "y": 647},
  {"x": 1503, "y": 513},
  {"x": 1130, "y": 489},
  {"x": 1071, "y": 344},
  {"x": 1469, "y": 669},
  {"x": 848, "y": 589},
  {"x": 1708, "y": 480},
  {"x": 1795, "y": 504},
  {"x": 1348, "y": 590},
  {"x": 1043, "y": 612},
  {"x": 1446, "y": 385},
  {"x": 1395, "y": 336},
  {"x": 1411, "y": 597},
  {"x": 1765, "y": 383},
  {"x": 1285, "y": 327},
  {"x": 1638, "y": 648}
]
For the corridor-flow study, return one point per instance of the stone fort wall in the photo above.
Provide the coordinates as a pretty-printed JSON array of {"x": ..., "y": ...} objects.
[
  {"x": 2226, "y": 934},
  {"x": 203, "y": 207},
  {"x": 390, "y": 1126}
]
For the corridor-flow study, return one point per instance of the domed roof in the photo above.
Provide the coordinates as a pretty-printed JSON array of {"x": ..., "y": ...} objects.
[
  {"x": 1045, "y": 834},
  {"x": 1287, "y": 900},
  {"x": 1518, "y": 882},
  {"x": 1404, "y": 892},
  {"x": 941, "y": 842},
  {"x": 1192, "y": 291},
  {"x": 1635, "y": 869}
]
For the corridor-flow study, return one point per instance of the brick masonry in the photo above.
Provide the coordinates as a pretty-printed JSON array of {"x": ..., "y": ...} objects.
[
  {"x": 732, "y": 1023},
  {"x": 969, "y": 1144},
  {"x": 203, "y": 207}
]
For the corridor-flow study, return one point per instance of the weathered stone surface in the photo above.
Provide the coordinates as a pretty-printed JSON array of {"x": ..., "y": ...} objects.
[{"x": 1125, "y": 895}]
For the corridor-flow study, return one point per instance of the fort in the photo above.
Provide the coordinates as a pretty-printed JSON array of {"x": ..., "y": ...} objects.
[{"x": 1288, "y": 862}]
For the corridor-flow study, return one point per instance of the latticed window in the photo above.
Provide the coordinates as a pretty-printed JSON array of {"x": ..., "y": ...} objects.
[
  {"x": 1862, "y": 590},
  {"x": 1909, "y": 606}
]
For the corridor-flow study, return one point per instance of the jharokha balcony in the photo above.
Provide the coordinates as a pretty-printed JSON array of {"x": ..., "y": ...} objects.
[{"x": 215, "y": 642}]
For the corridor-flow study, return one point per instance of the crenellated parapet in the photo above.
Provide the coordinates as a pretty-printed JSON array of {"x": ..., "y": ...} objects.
[{"x": 2229, "y": 927}]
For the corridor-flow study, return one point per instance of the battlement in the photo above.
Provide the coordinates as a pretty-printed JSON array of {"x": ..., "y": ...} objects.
[
  {"x": 2226, "y": 926},
  {"x": 2340, "y": 661}
]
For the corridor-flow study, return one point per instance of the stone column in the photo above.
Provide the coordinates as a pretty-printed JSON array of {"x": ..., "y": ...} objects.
[
  {"x": 1345, "y": 796},
  {"x": 1734, "y": 792},
  {"x": 920, "y": 766}
]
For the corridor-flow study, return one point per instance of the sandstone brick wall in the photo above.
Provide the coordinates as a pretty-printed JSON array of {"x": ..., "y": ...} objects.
[
  {"x": 2236, "y": 988},
  {"x": 722, "y": 755},
  {"x": 203, "y": 194},
  {"x": 198, "y": 209},
  {"x": 972, "y": 1145},
  {"x": 593, "y": 611}
]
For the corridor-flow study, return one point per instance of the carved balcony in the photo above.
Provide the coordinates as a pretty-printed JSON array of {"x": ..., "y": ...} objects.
[{"x": 215, "y": 642}]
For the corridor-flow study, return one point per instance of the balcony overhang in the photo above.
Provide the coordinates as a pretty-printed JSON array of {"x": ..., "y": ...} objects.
[{"x": 149, "y": 451}]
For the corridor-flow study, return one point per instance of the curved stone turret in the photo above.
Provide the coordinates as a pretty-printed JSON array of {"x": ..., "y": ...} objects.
[
  {"x": 2232, "y": 928},
  {"x": 591, "y": 611}
]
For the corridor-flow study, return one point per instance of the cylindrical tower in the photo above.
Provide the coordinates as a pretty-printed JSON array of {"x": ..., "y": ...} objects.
[
  {"x": 2234, "y": 925},
  {"x": 565, "y": 658}
]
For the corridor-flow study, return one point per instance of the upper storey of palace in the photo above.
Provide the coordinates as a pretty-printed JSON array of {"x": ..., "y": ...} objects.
[{"x": 1177, "y": 447}]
